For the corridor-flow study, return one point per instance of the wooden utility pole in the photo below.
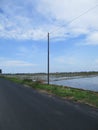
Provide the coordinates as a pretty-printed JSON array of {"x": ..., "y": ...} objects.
[{"x": 48, "y": 59}]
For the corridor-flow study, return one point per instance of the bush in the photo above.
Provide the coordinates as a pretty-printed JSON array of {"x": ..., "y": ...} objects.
[{"x": 27, "y": 80}]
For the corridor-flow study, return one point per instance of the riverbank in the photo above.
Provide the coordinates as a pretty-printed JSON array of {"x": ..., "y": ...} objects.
[{"x": 78, "y": 95}]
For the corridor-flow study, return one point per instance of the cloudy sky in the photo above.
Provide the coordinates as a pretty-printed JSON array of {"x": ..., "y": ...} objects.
[{"x": 73, "y": 27}]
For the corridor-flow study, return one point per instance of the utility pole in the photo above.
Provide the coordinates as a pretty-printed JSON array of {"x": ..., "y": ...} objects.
[{"x": 48, "y": 59}]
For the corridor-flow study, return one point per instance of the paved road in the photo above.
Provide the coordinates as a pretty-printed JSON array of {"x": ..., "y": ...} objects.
[{"x": 23, "y": 108}]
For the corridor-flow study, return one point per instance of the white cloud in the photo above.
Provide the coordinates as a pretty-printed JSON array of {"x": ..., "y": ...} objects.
[
  {"x": 64, "y": 64},
  {"x": 67, "y": 10},
  {"x": 65, "y": 60},
  {"x": 96, "y": 61},
  {"x": 10, "y": 65},
  {"x": 27, "y": 53},
  {"x": 64, "y": 11},
  {"x": 33, "y": 19},
  {"x": 14, "y": 63},
  {"x": 92, "y": 39}
]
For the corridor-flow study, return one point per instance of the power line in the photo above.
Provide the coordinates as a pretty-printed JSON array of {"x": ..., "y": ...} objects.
[
  {"x": 48, "y": 49},
  {"x": 77, "y": 17},
  {"x": 71, "y": 21}
]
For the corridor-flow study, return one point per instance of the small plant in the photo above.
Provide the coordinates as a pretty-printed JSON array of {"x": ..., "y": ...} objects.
[{"x": 27, "y": 80}]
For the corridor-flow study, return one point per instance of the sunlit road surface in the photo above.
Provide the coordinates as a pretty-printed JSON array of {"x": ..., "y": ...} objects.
[{"x": 22, "y": 108}]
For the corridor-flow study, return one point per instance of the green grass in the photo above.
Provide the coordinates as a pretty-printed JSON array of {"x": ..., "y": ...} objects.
[
  {"x": 79, "y": 95},
  {"x": 15, "y": 79}
]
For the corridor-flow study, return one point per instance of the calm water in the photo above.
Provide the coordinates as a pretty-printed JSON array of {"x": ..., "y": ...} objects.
[{"x": 89, "y": 83}]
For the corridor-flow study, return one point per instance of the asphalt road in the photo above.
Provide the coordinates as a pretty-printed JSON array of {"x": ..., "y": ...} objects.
[{"x": 23, "y": 108}]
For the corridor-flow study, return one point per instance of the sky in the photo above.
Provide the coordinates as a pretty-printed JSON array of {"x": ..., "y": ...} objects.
[{"x": 73, "y": 28}]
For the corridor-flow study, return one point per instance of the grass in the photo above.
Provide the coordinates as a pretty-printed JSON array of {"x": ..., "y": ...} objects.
[{"x": 79, "y": 95}]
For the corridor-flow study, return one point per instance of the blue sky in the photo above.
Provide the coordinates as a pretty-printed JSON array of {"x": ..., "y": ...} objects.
[{"x": 23, "y": 35}]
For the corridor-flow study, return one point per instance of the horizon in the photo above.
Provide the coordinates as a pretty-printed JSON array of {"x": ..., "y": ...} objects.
[{"x": 54, "y": 72}]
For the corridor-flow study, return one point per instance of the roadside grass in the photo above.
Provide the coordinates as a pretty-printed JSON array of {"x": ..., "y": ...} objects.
[
  {"x": 15, "y": 79},
  {"x": 78, "y": 95}
]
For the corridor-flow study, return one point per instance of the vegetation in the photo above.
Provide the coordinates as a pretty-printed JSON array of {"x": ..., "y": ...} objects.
[
  {"x": 74, "y": 94},
  {"x": 83, "y": 73},
  {"x": 69, "y": 74}
]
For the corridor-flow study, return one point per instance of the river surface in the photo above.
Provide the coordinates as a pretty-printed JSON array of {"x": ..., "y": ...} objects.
[{"x": 87, "y": 83}]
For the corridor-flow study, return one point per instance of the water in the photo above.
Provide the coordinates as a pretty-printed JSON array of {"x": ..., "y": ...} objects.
[{"x": 87, "y": 83}]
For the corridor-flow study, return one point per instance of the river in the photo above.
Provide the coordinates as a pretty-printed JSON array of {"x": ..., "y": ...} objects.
[{"x": 86, "y": 83}]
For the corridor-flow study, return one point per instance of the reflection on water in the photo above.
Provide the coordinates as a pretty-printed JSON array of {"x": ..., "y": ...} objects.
[{"x": 89, "y": 83}]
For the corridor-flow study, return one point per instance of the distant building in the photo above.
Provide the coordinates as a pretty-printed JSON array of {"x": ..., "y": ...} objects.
[{"x": 0, "y": 71}]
